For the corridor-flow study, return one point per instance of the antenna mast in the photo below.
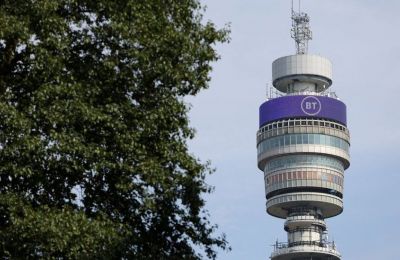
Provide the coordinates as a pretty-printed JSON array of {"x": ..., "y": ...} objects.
[{"x": 301, "y": 32}]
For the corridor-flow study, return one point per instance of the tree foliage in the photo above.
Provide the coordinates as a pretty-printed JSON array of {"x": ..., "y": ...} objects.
[{"x": 93, "y": 129}]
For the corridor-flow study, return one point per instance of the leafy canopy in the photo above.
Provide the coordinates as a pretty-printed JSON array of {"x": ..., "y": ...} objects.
[{"x": 93, "y": 129}]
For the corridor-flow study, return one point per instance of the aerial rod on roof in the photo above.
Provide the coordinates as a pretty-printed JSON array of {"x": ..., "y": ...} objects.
[{"x": 301, "y": 32}]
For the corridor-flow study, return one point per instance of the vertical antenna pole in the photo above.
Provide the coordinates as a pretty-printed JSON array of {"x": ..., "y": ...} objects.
[
  {"x": 299, "y": 5},
  {"x": 292, "y": 6},
  {"x": 301, "y": 32}
]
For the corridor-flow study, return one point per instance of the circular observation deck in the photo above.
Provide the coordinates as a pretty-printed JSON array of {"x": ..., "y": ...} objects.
[
  {"x": 294, "y": 72},
  {"x": 279, "y": 206},
  {"x": 306, "y": 252}
]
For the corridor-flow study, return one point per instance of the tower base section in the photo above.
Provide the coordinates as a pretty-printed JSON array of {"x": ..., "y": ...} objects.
[{"x": 307, "y": 237}]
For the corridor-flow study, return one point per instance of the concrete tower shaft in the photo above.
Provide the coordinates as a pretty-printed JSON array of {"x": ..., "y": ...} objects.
[{"x": 303, "y": 149}]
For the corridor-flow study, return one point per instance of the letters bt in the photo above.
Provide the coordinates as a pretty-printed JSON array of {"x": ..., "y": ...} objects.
[{"x": 312, "y": 105}]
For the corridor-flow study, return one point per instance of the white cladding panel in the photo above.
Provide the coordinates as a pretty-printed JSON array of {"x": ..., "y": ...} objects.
[{"x": 301, "y": 64}]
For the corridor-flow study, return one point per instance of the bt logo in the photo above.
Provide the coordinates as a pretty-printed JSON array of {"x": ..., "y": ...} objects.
[{"x": 311, "y": 105}]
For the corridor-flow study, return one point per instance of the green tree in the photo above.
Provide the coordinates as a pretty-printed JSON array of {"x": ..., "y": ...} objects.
[{"x": 93, "y": 128}]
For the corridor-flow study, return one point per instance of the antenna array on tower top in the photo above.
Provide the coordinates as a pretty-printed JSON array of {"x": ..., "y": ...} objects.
[{"x": 301, "y": 32}]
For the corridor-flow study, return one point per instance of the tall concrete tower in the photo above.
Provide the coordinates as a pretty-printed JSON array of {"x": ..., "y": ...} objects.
[{"x": 303, "y": 149}]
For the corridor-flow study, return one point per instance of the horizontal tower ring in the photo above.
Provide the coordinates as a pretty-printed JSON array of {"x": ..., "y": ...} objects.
[
  {"x": 304, "y": 251},
  {"x": 301, "y": 178},
  {"x": 300, "y": 139},
  {"x": 283, "y": 128},
  {"x": 284, "y": 123},
  {"x": 321, "y": 82},
  {"x": 300, "y": 167},
  {"x": 329, "y": 205},
  {"x": 292, "y": 223},
  {"x": 265, "y": 155},
  {"x": 295, "y": 161}
]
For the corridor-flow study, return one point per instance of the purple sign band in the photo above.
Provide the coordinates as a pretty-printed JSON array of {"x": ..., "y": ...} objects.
[{"x": 303, "y": 106}]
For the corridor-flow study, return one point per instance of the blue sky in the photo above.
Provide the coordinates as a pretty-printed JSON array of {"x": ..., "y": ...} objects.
[{"x": 362, "y": 40}]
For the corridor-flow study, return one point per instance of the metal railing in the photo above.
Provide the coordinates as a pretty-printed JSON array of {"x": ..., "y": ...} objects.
[
  {"x": 322, "y": 244},
  {"x": 311, "y": 246},
  {"x": 273, "y": 93}
]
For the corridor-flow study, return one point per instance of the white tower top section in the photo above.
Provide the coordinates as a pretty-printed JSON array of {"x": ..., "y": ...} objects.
[
  {"x": 301, "y": 73},
  {"x": 301, "y": 32}
]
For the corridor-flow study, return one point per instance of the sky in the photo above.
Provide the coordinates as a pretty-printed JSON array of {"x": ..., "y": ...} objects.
[{"x": 362, "y": 39}]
